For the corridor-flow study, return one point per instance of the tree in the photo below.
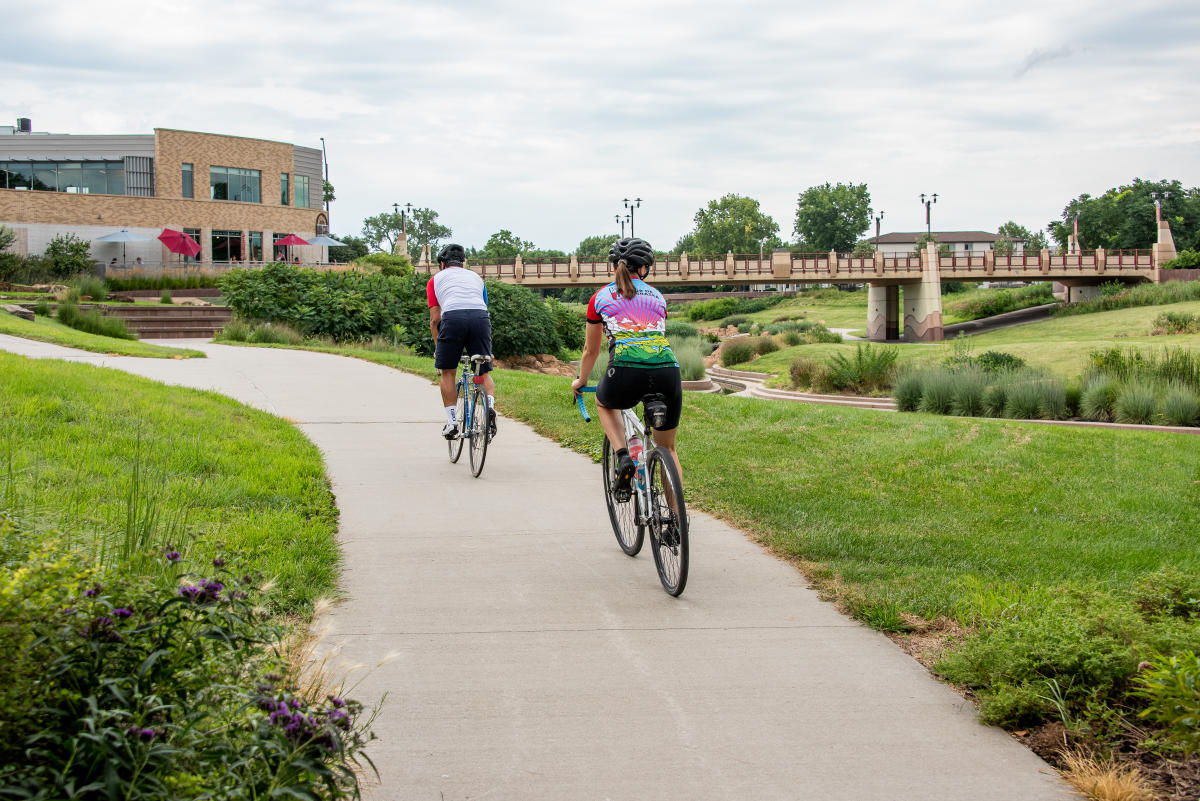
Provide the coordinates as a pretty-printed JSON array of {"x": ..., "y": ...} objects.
[
  {"x": 504, "y": 244},
  {"x": 595, "y": 248},
  {"x": 7, "y": 237},
  {"x": 424, "y": 229},
  {"x": 68, "y": 255},
  {"x": 382, "y": 229},
  {"x": 353, "y": 249},
  {"x": 1123, "y": 217},
  {"x": 734, "y": 223},
  {"x": 1014, "y": 233},
  {"x": 833, "y": 217},
  {"x": 685, "y": 244},
  {"x": 327, "y": 189},
  {"x": 919, "y": 246}
]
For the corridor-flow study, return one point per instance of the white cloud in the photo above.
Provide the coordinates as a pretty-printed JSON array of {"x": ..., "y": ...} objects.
[{"x": 539, "y": 117}]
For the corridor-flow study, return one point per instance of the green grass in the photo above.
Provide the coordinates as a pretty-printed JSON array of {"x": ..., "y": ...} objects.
[
  {"x": 44, "y": 330},
  {"x": 830, "y": 307},
  {"x": 214, "y": 475}
]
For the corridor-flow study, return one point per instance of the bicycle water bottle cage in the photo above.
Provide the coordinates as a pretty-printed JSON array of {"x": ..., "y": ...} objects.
[{"x": 656, "y": 410}]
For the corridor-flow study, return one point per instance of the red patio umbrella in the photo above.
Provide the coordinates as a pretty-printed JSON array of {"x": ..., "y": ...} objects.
[
  {"x": 289, "y": 240},
  {"x": 179, "y": 242}
]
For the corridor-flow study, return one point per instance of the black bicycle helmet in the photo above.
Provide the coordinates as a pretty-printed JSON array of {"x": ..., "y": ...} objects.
[
  {"x": 635, "y": 252},
  {"x": 452, "y": 254}
]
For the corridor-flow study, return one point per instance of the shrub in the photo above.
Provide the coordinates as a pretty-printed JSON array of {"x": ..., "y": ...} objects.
[
  {"x": 736, "y": 321},
  {"x": 93, "y": 322},
  {"x": 763, "y": 345},
  {"x": 1072, "y": 394},
  {"x": 999, "y": 301},
  {"x": 995, "y": 361},
  {"x": 160, "y": 282},
  {"x": 1137, "y": 295},
  {"x": 1181, "y": 407},
  {"x": 1053, "y": 403},
  {"x": 792, "y": 338},
  {"x": 1176, "y": 323},
  {"x": 68, "y": 255},
  {"x": 1098, "y": 398},
  {"x": 236, "y": 330},
  {"x": 521, "y": 322},
  {"x": 937, "y": 392},
  {"x": 969, "y": 386},
  {"x": 1171, "y": 689},
  {"x": 713, "y": 309},
  {"x": 995, "y": 399},
  {"x": 274, "y": 334},
  {"x": 569, "y": 325},
  {"x": 388, "y": 264},
  {"x": 908, "y": 390},
  {"x": 802, "y": 371},
  {"x": 1136, "y": 403},
  {"x": 1185, "y": 260},
  {"x": 736, "y": 353},
  {"x": 42, "y": 308},
  {"x": 90, "y": 286},
  {"x": 677, "y": 329},
  {"x": 165, "y": 298},
  {"x": 690, "y": 355},
  {"x": 1024, "y": 400},
  {"x": 870, "y": 370}
]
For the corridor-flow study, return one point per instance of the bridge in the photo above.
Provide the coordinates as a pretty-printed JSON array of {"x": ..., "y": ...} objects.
[{"x": 920, "y": 274}]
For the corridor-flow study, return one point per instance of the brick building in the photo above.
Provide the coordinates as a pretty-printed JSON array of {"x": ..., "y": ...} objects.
[{"x": 235, "y": 196}]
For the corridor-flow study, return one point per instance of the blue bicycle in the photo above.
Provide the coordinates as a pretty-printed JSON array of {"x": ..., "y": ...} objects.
[{"x": 472, "y": 414}]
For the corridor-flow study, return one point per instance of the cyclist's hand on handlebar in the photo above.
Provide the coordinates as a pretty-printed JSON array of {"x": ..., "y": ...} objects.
[{"x": 577, "y": 385}]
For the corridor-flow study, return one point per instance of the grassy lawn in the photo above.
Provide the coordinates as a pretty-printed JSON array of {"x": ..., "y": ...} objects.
[
  {"x": 46, "y": 330},
  {"x": 830, "y": 307},
  {"x": 213, "y": 475}
]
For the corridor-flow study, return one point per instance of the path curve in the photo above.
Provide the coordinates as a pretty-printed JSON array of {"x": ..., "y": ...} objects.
[{"x": 533, "y": 660}]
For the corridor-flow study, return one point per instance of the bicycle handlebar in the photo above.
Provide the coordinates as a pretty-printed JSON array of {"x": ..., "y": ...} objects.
[{"x": 579, "y": 402}]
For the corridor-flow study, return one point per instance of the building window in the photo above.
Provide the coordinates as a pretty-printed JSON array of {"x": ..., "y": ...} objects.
[
  {"x": 234, "y": 183},
  {"x": 283, "y": 188},
  {"x": 226, "y": 245},
  {"x": 256, "y": 246},
  {"x": 967, "y": 246},
  {"x": 194, "y": 233},
  {"x": 74, "y": 177},
  {"x": 187, "y": 180},
  {"x": 302, "y": 191}
]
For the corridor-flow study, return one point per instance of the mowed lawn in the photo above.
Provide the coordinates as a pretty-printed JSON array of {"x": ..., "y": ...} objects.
[
  {"x": 212, "y": 476},
  {"x": 43, "y": 329}
]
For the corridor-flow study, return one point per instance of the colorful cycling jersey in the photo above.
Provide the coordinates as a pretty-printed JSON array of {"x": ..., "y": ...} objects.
[
  {"x": 456, "y": 289},
  {"x": 635, "y": 326}
]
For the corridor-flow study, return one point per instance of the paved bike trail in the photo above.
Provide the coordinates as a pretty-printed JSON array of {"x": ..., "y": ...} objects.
[{"x": 531, "y": 659}]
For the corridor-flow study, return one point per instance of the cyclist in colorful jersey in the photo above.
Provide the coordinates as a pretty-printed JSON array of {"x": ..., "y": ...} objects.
[
  {"x": 634, "y": 316},
  {"x": 458, "y": 318}
]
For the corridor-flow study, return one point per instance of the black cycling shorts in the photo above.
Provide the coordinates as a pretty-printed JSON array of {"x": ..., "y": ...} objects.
[
  {"x": 624, "y": 388},
  {"x": 466, "y": 328}
]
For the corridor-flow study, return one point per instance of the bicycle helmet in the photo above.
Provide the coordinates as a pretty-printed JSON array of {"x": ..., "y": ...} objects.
[
  {"x": 452, "y": 254},
  {"x": 635, "y": 252}
]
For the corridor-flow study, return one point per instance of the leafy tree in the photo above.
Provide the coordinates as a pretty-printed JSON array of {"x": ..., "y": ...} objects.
[
  {"x": 918, "y": 247},
  {"x": 595, "y": 248},
  {"x": 833, "y": 217},
  {"x": 7, "y": 237},
  {"x": 327, "y": 190},
  {"x": 734, "y": 223},
  {"x": 539, "y": 253},
  {"x": 504, "y": 244},
  {"x": 1013, "y": 233},
  {"x": 68, "y": 255},
  {"x": 521, "y": 323},
  {"x": 863, "y": 247},
  {"x": 685, "y": 244},
  {"x": 382, "y": 229},
  {"x": 1123, "y": 217},
  {"x": 424, "y": 229},
  {"x": 354, "y": 248}
]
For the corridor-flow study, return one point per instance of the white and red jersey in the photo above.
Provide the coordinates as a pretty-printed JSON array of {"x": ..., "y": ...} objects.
[{"x": 456, "y": 289}]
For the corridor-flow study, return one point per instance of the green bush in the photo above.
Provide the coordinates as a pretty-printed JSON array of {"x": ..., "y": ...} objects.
[
  {"x": 119, "y": 686},
  {"x": 737, "y": 321},
  {"x": 1072, "y": 393},
  {"x": 165, "y": 298},
  {"x": 1176, "y": 323},
  {"x": 736, "y": 353},
  {"x": 1136, "y": 403},
  {"x": 68, "y": 255},
  {"x": 763, "y": 345},
  {"x": 1024, "y": 400},
  {"x": 236, "y": 330},
  {"x": 969, "y": 387},
  {"x": 1000, "y": 301},
  {"x": 1185, "y": 260},
  {"x": 713, "y": 309},
  {"x": 937, "y": 392},
  {"x": 570, "y": 326},
  {"x": 1098, "y": 398},
  {"x": 908, "y": 390},
  {"x": 1053, "y": 403},
  {"x": 995, "y": 399},
  {"x": 397, "y": 265},
  {"x": 996, "y": 361},
  {"x": 1181, "y": 407},
  {"x": 870, "y": 370},
  {"x": 93, "y": 322},
  {"x": 274, "y": 334},
  {"x": 161, "y": 282},
  {"x": 802, "y": 370},
  {"x": 90, "y": 286},
  {"x": 1135, "y": 295},
  {"x": 42, "y": 308},
  {"x": 521, "y": 323},
  {"x": 677, "y": 329},
  {"x": 792, "y": 338},
  {"x": 690, "y": 355},
  {"x": 1170, "y": 687}
]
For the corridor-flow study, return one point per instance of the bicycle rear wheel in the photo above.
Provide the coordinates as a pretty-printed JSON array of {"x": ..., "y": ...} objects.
[
  {"x": 622, "y": 515},
  {"x": 460, "y": 408},
  {"x": 479, "y": 430},
  {"x": 668, "y": 522}
]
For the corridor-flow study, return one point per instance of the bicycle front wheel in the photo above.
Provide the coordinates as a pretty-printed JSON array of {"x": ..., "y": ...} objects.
[
  {"x": 479, "y": 430},
  {"x": 668, "y": 522},
  {"x": 460, "y": 409},
  {"x": 622, "y": 515}
]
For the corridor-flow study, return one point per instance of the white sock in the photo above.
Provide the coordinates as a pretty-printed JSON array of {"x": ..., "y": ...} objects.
[
  {"x": 491, "y": 401},
  {"x": 450, "y": 415}
]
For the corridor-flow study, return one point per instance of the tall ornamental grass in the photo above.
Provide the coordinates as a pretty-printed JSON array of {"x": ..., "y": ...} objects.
[
  {"x": 690, "y": 353},
  {"x": 1132, "y": 296}
]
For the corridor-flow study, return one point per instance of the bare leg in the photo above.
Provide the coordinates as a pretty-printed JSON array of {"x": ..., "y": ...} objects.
[
  {"x": 666, "y": 439},
  {"x": 489, "y": 384},
  {"x": 614, "y": 426},
  {"x": 449, "y": 390}
]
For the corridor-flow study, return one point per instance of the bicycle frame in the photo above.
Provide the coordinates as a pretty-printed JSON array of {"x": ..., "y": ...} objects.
[{"x": 633, "y": 425}]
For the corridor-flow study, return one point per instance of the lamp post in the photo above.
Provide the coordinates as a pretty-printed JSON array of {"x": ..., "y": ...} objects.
[
  {"x": 1158, "y": 199},
  {"x": 878, "y": 220},
  {"x": 636, "y": 203},
  {"x": 622, "y": 220},
  {"x": 928, "y": 200},
  {"x": 324, "y": 194}
]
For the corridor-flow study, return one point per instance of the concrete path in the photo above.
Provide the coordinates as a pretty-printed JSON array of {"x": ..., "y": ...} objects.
[{"x": 533, "y": 660}]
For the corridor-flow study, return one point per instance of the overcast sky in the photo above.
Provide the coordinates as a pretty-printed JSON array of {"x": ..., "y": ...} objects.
[{"x": 539, "y": 117}]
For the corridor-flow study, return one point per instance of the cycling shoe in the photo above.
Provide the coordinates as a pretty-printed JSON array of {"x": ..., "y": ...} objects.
[{"x": 623, "y": 485}]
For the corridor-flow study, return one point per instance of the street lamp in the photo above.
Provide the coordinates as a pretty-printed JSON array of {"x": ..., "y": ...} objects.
[
  {"x": 636, "y": 203},
  {"x": 324, "y": 194},
  {"x": 878, "y": 220},
  {"x": 928, "y": 200},
  {"x": 622, "y": 220},
  {"x": 1158, "y": 199}
]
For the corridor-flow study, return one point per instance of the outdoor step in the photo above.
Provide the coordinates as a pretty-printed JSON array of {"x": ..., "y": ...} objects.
[
  {"x": 765, "y": 394},
  {"x": 888, "y": 402},
  {"x": 176, "y": 333},
  {"x": 737, "y": 373},
  {"x": 168, "y": 319}
]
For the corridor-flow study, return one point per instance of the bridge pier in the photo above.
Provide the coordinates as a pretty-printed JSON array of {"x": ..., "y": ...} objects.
[
  {"x": 883, "y": 312},
  {"x": 923, "y": 301}
]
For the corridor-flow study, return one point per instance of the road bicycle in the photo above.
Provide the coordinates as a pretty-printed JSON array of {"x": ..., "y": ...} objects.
[
  {"x": 472, "y": 414},
  {"x": 656, "y": 504}
]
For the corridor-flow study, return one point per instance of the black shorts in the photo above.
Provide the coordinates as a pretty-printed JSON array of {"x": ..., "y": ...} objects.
[
  {"x": 468, "y": 328},
  {"x": 624, "y": 388}
]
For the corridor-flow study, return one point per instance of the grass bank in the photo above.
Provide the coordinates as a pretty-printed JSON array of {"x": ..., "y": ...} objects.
[
  {"x": 55, "y": 333},
  {"x": 125, "y": 464}
]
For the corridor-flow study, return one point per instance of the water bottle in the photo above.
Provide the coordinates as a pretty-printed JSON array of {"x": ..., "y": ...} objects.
[{"x": 635, "y": 453}]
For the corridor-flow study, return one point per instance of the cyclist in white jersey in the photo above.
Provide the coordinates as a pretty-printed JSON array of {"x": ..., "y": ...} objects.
[{"x": 458, "y": 318}]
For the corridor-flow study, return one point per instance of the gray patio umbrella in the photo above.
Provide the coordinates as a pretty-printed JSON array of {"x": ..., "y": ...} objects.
[
  {"x": 322, "y": 239},
  {"x": 122, "y": 236}
]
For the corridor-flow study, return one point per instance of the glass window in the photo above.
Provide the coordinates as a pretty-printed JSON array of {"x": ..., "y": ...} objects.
[
  {"x": 116, "y": 177},
  {"x": 70, "y": 177},
  {"x": 226, "y": 245},
  {"x": 194, "y": 233},
  {"x": 302, "y": 191},
  {"x": 187, "y": 180},
  {"x": 256, "y": 246},
  {"x": 45, "y": 177},
  {"x": 234, "y": 183},
  {"x": 76, "y": 177},
  {"x": 19, "y": 175},
  {"x": 283, "y": 188},
  {"x": 95, "y": 178}
]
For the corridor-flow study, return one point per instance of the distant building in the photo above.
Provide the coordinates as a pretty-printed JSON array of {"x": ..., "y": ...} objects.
[
  {"x": 958, "y": 241},
  {"x": 235, "y": 196}
]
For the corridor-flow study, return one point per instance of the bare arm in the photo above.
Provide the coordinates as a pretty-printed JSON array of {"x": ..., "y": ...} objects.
[
  {"x": 591, "y": 349},
  {"x": 435, "y": 318}
]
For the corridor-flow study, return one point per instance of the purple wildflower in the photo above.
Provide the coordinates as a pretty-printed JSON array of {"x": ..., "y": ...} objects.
[
  {"x": 172, "y": 555},
  {"x": 218, "y": 562},
  {"x": 144, "y": 734},
  {"x": 94, "y": 591},
  {"x": 122, "y": 613}
]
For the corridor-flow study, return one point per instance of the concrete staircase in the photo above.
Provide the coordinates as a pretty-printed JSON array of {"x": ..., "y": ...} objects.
[
  {"x": 172, "y": 322},
  {"x": 751, "y": 384}
]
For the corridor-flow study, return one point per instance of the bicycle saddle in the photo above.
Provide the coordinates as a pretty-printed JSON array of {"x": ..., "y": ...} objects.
[{"x": 656, "y": 409}]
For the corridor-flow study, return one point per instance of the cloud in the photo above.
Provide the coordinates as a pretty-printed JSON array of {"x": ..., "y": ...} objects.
[{"x": 1040, "y": 57}]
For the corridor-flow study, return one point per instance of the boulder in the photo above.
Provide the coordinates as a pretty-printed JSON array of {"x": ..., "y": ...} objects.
[{"x": 18, "y": 311}]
